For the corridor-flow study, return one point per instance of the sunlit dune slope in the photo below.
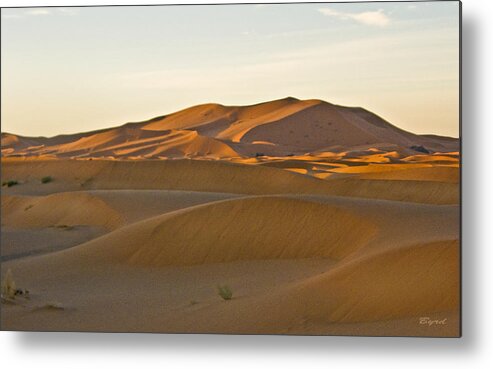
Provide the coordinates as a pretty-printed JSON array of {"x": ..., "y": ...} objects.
[
  {"x": 110, "y": 209},
  {"x": 61, "y": 209},
  {"x": 285, "y": 228}
]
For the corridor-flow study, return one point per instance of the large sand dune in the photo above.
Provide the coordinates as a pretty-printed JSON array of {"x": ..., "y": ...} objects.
[{"x": 281, "y": 127}]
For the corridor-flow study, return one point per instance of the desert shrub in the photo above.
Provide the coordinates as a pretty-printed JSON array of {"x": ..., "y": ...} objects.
[
  {"x": 46, "y": 179},
  {"x": 10, "y": 183},
  {"x": 9, "y": 289},
  {"x": 225, "y": 292},
  {"x": 64, "y": 226},
  {"x": 52, "y": 305},
  {"x": 259, "y": 154}
]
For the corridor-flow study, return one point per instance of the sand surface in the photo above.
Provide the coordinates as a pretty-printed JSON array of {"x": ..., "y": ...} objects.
[{"x": 348, "y": 231}]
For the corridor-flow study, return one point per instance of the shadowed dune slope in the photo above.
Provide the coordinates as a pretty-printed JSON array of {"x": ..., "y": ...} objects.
[
  {"x": 419, "y": 280},
  {"x": 222, "y": 232},
  {"x": 213, "y": 176},
  {"x": 393, "y": 284}
]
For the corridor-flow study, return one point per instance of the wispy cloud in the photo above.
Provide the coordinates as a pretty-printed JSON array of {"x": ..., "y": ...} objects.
[
  {"x": 38, "y": 12},
  {"x": 10, "y": 16},
  {"x": 371, "y": 18},
  {"x": 67, "y": 11},
  {"x": 21, "y": 13}
]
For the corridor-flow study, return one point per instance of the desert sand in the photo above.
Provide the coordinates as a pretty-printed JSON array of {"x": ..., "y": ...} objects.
[{"x": 321, "y": 219}]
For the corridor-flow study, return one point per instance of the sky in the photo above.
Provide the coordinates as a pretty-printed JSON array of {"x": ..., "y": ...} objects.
[{"x": 72, "y": 69}]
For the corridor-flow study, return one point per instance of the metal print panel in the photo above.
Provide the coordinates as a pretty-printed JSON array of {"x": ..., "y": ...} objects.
[{"x": 234, "y": 169}]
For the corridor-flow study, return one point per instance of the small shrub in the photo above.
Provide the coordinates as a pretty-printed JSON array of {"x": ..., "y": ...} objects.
[
  {"x": 9, "y": 183},
  {"x": 9, "y": 290},
  {"x": 46, "y": 179},
  {"x": 51, "y": 306},
  {"x": 225, "y": 292},
  {"x": 259, "y": 154},
  {"x": 64, "y": 226}
]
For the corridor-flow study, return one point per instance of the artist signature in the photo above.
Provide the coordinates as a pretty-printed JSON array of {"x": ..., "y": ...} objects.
[{"x": 425, "y": 320}]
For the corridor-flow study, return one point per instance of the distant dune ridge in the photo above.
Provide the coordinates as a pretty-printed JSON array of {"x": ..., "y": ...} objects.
[
  {"x": 283, "y": 127},
  {"x": 320, "y": 219}
]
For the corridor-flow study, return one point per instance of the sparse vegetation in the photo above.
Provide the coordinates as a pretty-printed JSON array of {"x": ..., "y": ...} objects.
[
  {"x": 63, "y": 226},
  {"x": 10, "y": 183},
  {"x": 9, "y": 288},
  {"x": 87, "y": 182},
  {"x": 259, "y": 154},
  {"x": 51, "y": 306},
  {"x": 46, "y": 179},
  {"x": 193, "y": 302},
  {"x": 225, "y": 292}
]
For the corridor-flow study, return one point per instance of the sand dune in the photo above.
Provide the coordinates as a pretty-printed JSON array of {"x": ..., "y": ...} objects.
[
  {"x": 281, "y": 127},
  {"x": 366, "y": 295},
  {"x": 435, "y": 173},
  {"x": 136, "y": 143},
  {"x": 416, "y": 172},
  {"x": 212, "y": 176},
  {"x": 393, "y": 284},
  {"x": 108, "y": 209},
  {"x": 11, "y": 143},
  {"x": 322, "y": 219},
  {"x": 356, "y": 279},
  {"x": 58, "y": 210},
  {"x": 184, "y": 238}
]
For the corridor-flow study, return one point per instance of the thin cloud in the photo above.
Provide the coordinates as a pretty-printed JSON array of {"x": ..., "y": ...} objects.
[
  {"x": 67, "y": 11},
  {"x": 11, "y": 16},
  {"x": 19, "y": 14},
  {"x": 38, "y": 12},
  {"x": 371, "y": 18}
]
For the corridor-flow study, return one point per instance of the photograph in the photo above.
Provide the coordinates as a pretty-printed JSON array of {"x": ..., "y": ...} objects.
[{"x": 234, "y": 169}]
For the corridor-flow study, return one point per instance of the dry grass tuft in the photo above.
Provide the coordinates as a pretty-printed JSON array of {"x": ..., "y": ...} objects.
[{"x": 225, "y": 292}]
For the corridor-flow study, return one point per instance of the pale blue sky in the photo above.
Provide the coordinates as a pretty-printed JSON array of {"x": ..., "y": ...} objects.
[{"x": 67, "y": 70}]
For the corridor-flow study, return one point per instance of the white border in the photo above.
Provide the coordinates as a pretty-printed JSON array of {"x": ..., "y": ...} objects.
[{"x": 474, "y": 350}]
